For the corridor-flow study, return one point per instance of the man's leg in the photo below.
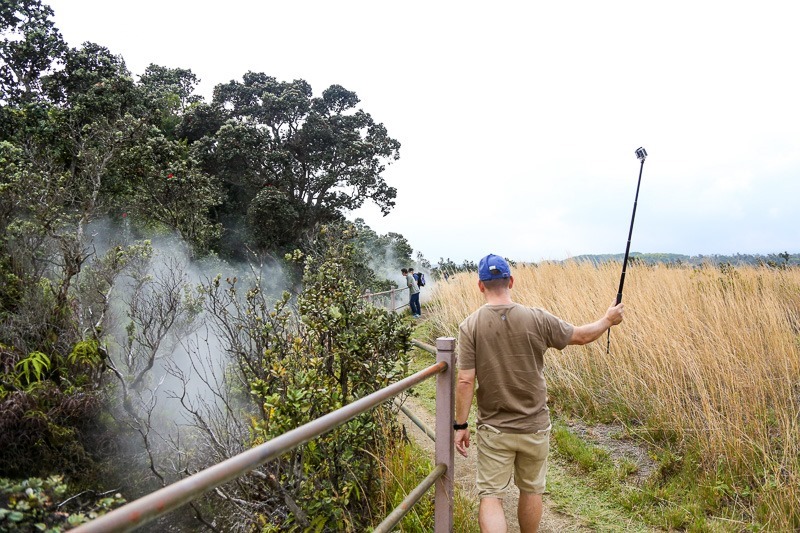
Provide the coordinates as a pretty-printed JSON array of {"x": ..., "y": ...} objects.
[
  {"x": 529, "y": 512},
  {"x": 530, "y": 475},
  {"x": 491, "y": 517},
  {"x": 415, "y": 308},
  {"x": 493, "y": 476}
]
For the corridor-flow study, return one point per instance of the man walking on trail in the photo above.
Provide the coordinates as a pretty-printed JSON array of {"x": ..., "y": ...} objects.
[
  {"x": 413, "y": 291},
  {"x": 502, "y": 344}
]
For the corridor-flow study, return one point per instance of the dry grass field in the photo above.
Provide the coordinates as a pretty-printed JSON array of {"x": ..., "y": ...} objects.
[{"x": 705, "y": 366}]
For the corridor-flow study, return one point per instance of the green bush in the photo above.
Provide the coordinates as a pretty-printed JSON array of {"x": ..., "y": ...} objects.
[
  {"x": 334, "y": 349},
  {"x": 42, "y": 430},
  {"x": 36, "y": 504}
]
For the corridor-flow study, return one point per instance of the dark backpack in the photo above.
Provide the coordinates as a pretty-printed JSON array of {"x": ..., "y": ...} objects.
[{"x": 420, "y": 279}]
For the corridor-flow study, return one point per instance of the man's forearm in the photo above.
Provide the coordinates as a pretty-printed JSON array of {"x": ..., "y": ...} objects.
[
  {"x": 590, "y": 332},
  {"x": 464, "y": 391}
]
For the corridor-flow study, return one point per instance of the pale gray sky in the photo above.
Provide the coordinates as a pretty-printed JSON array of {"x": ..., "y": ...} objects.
[{"x": 519, "y": 120}]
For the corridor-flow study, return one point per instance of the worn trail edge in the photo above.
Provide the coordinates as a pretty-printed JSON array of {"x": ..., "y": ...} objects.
[{"x": 552, "y": 520}]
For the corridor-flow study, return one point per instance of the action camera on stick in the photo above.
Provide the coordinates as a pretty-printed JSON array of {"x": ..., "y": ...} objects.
[{"x": 641, "y": 154}]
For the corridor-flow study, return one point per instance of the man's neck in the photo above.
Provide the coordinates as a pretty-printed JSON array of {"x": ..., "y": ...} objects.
[{"x": 501, "y": 298}]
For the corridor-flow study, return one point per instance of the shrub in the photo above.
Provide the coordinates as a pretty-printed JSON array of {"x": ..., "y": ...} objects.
[
  {"x": 36, "y": 504},
  {"x": 305, "y": 361}
]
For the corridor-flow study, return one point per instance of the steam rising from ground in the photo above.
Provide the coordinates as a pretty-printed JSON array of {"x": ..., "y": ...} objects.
[
  {"x": 183, "y": 411},
  {"x": 170, "y": 357},
  {"x": 385, "y": 265}
]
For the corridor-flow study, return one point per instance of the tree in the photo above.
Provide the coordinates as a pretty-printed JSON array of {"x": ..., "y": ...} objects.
[
  {"x": 318, "y": 156},
  {"x": 30, "y": 47},
  {"x": 76, "y": 147},
  {"x": 94, "y": 84},
  {"x": 170, "y": 88},
  {"x": 449, "y": 267},
  {"x": 162, "y": 185},
  {"x": 168, "y": 93},
  {"x": 85, "y": 147},
  {"x": 200, "y": 120}
]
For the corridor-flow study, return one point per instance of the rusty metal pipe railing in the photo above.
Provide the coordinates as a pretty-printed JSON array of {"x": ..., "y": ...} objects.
[
  {"x": 169, "y": 498},
  {"x": 369, "y": 294},
  {"x": 417, "y": 422},
  {"x": 422, "y": 346},
  {"x": 392, "y": 293},
  {"x": 413, "y": 497},
  {"x": 444, "y": 449}
]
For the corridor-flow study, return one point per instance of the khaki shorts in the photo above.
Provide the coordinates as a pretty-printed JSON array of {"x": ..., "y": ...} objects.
[{"x": 501, "y": 453}]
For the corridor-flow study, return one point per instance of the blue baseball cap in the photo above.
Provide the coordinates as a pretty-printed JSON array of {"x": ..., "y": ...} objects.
[{"x": 493, "y": 267}]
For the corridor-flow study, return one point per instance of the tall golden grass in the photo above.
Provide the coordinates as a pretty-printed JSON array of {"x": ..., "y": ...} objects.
[{"x": 707, "y": 360}]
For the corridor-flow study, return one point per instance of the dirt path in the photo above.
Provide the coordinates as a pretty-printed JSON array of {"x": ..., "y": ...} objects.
[{"x": 552, "y": 520}]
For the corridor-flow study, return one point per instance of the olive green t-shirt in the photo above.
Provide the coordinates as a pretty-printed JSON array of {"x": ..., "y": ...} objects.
[{"x": 505, "y": 344}]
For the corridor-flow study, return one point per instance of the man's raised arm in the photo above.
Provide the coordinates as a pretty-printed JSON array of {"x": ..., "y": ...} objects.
[{"x": 591, "y": 332}]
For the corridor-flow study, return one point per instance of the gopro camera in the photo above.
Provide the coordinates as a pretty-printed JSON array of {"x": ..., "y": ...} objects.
[{"x": 641, "y": 153}]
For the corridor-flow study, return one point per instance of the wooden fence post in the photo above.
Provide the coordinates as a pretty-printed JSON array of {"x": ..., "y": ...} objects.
[{"x": 445, "y": 416}]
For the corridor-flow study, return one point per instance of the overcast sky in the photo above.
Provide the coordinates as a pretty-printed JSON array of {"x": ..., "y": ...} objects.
[{"x": 519, "y": 120}]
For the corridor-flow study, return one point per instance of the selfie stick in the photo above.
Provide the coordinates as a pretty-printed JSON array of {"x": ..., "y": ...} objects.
[{"x": 641, "y": 154}]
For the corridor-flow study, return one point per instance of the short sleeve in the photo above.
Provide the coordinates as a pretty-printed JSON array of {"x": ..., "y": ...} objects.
[
  {"x": 557, "y": 332},
  {"x": 466, "y": 346}
]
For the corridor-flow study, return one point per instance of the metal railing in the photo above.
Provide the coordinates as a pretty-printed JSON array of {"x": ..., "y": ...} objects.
[
  {"x": 371, "y": 297},
  {"x": 444, "y": 452},
  {"x": 169, "y": 498}
]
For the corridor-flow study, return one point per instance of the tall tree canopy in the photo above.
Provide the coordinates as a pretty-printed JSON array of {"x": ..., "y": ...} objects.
[
  {"x": 80, "y": 141},
  {"x": 262, "y": 166},
  {"x": 291, "y": 161},
  {"x": 30, "y": 45}
]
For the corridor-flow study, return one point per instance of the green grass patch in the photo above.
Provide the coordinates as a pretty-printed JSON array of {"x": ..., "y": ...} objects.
[
  {"x": 423, "y": 331},
  {"x": 584, "y": 481},
  {"x": 606, "y": 472},
  {"x": 571, "y": 495},
  {"x": 679, "y": 495},
  {"x": 682, "y": 495},
  {"x": 424, "y": 392}
]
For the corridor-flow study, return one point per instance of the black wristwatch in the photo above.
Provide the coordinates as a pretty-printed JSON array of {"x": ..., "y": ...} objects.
[{"x": 460, "y": 426}]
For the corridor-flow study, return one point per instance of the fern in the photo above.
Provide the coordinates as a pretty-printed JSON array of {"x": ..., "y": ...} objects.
[{"x": 33, "y": 367}]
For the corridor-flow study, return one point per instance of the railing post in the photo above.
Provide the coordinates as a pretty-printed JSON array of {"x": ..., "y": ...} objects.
[
  {"x": 445, "y": 415},
  {"x": 391, "y": 301},
  {"x": 368, "y": 294}
]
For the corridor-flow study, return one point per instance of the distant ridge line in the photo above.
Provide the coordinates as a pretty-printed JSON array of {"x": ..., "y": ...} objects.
[{"x": 779, "y": 259}]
